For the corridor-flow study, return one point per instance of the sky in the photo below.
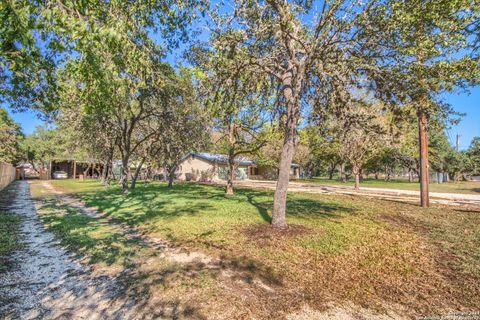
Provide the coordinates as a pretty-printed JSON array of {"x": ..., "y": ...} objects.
[{"x": 469, "y": 126}]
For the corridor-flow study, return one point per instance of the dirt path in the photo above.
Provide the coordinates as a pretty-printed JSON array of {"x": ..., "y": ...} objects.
[
  {"x": 387, "y": 194},
  {"x": 44, "y": 280}
]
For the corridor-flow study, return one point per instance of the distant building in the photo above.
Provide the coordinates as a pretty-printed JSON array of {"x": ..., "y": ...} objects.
[
  {"x": 73, "y": 169},
  {"x": 201, "y": 166}
]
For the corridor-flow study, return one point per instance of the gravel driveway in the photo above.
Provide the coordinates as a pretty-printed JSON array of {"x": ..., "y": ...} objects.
[
  {"x": 389, "y": 194},
  {"x": 44, "y": 280}
]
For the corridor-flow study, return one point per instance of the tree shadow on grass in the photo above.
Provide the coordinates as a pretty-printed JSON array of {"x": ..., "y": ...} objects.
[
  {"x": 87, "y": 235},
  {"x": 262, "y": 207},
  {"x": 134, "y": 287},
  {"x": 143, "y": 204},
  {"x": 96, "y": 240},
  {"x": 154, "y": 200},
  {"x": 309, "y": 208},
  {"x": 301, "y": 208},
  {"x": 473, "y": 189},
  {"x": 468, "y": 210}
]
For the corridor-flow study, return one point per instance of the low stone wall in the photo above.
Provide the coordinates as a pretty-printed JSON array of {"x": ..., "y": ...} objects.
[{"x": 7, "y": 174}]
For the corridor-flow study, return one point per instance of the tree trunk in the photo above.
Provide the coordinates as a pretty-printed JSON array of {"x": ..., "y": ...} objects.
[
  {"x": 280, "y": 198},
  {"x": 74, "y": 169},
  {"x": 171, "y": 176},
  {"x": 124, "y": 177},
  {"x": 356, "y": 172},
  {"x": 137, "y": 172},
  {"x": 112, "y": 174},
  {"x": 332, "y": 171},
  {"x": 105, "y": 172},
  {"x": 288, "y": 149},
  {"x": 230, "y": 174},
  {"x": 387, "y": 173},
  {"x": 423, "y": 142},
  {"x": 343, "y": 175},
  {"x": 108, "y": 167},
  {"x": 86, "y": 170}
]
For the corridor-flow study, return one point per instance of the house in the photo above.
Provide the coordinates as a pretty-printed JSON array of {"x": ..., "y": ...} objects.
[{"x": 201, "y": 166}]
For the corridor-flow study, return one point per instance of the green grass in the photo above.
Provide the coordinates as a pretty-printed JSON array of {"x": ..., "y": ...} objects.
[
  {"x": 9, "y": 237},
  {"x": 368, "y": 251},
  {"x": 88, "y": 236},
  {"x": 114, "y": 250},
  {"x": 467, "y": 187},
  {"x": 191, "y": 212}
]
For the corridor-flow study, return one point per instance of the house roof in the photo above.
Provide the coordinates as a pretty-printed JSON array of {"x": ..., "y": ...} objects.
[
  {"x": 223, "y": 158},
  {"x": 220, "y": 158}
]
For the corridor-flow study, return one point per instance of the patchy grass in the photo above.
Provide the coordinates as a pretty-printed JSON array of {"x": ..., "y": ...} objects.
[
  {"x": 9, "y": 238},
  {"x": 467, "y": 187},
  {"x": 90, "y": 237},
  {"x": 142, "y": 272},
  {"x": 376, "y": 253}
]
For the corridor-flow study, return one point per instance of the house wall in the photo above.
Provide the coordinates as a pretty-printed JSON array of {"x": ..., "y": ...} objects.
[
  {"x": 268, "y": 173},
  {"x": 203, "y": 169},
  {"x": 264, "y": 173},
  {"x": 295, "y": 173},
  {"x": 197, "y": 166},
  {"x": 211, "y": 170}
]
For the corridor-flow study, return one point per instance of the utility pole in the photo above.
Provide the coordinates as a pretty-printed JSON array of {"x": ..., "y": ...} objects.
[{"x": 423, "y": 144}]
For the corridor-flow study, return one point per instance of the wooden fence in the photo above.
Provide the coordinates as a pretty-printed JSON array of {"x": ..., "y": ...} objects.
[{"x": 7, "y": 174}]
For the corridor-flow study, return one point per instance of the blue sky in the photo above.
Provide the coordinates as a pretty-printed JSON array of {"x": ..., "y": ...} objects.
[{"x": 469, "y": 126}]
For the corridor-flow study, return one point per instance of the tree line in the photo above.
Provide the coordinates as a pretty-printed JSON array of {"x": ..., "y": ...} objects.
[{"x": 334, "y": 79}]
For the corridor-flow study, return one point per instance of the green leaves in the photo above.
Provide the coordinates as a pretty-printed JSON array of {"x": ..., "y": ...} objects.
[
  {"x": 427, "y": 47},
  {"x": 10, "y": 137}
]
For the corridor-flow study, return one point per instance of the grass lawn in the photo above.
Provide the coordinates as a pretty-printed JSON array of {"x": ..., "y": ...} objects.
[
  {"x": 9, "y": 239},
  {"x": 379, "y": 254},
  {"x": 468, "y": 187}
]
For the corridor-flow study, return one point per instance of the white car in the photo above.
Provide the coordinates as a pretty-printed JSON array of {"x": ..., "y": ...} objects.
[{"x": 60, "y": 175}]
